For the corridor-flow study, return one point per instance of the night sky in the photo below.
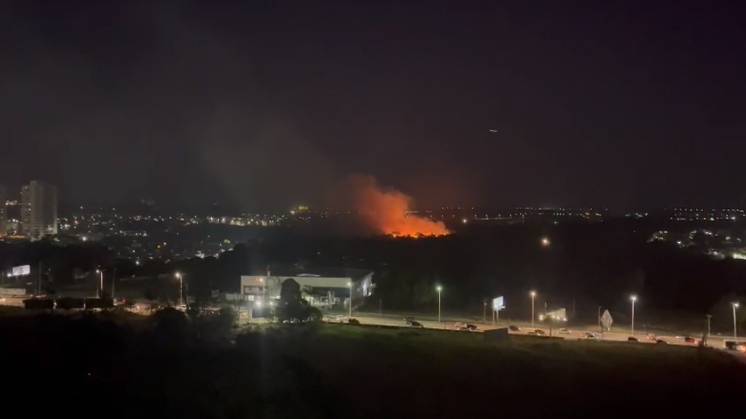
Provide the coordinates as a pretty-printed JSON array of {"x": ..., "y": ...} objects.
[{"x": 266, "y": 104}]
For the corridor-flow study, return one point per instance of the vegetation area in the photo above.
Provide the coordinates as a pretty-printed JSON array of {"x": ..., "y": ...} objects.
[
  {"x": 586, "y": 266},
  {"x": 176, "y": 365}
]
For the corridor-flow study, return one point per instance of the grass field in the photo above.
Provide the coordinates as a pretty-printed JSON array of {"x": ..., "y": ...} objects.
[{"x": 98, "y": 364}]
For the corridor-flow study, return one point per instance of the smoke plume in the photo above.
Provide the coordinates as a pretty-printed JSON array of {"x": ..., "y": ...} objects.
[{"x": 387, "y": 211}]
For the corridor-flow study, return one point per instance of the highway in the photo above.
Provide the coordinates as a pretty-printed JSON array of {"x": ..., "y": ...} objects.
[{"x": 618, "y": 334}]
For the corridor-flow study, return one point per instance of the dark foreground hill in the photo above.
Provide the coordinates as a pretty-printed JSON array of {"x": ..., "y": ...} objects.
[{"x": 114, "y": 366}]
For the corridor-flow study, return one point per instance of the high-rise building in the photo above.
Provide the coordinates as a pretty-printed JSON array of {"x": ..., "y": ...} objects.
[
  {"x": 3, "y": 212},
  {"x": 38, "y": 210}
]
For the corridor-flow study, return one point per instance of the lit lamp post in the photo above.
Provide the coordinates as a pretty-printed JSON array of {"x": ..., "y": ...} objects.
[
  {"x": 438, "y": 288},
  {"x": 545, "y": 242},
  {"x": 735, "y": 325},
  {"x": 100, "y": 282},
  {"x": 349, "y": 284},
  {"x": 533, "y": 298},
  {"x": 633, "y": 298},
  {"x": 180, "y": 277}
]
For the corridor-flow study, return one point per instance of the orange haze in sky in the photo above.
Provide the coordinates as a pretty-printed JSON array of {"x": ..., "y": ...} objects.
[{"x": 385, "y": 210}]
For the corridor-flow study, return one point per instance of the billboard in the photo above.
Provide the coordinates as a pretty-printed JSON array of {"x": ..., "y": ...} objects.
[
  {"x": 21, "y": 270},
  {"x": 498, "y": 303}
]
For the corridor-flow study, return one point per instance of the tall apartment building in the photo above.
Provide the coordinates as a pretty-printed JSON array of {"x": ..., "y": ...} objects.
[
  {"x": 38, "y": 210},
  {"x": 3, "y": 211}
]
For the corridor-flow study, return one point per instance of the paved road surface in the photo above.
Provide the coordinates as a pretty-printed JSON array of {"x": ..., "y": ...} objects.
[{"x": 572, "y": 333}]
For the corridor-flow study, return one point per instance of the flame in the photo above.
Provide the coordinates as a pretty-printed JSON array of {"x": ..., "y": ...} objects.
[{"x": 388, "y": 211}]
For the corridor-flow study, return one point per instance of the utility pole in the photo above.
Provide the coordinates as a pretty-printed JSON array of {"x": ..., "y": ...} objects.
[
  {"x": 707, "y": 335},
  {"x": 533, "y": 297},
  {"x": 113, "y": 284},
  {"x": 349, "y": 284},
  {"x": 735, "y": 325},
  {"x": 573, "y": 308},
  {"x": 266, "y": 285},
  {"x": 484, "y": 311},
  {"x": 633, "y": 299},
  {"x": 38, "y": 279}
]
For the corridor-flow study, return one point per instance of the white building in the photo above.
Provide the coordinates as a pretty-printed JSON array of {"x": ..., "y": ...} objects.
[
  {"x": 319, "y": 290},
  {"x": 38, "y": 210}
]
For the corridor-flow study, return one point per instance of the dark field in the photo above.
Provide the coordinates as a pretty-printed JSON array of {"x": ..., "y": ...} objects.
[{"x": 120, "y": 366}]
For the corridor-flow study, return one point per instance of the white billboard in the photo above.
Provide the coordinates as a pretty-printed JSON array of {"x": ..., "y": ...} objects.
[
  {"x": 498, "y": 303},
  {"x": 22, "y": 270}
]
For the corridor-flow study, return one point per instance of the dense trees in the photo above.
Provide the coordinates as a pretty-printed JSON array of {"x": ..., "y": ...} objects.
[{"x": 292, "y": 307}]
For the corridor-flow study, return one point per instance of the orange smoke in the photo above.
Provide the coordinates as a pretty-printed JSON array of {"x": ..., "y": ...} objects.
[{"x": 387, "y": 211}]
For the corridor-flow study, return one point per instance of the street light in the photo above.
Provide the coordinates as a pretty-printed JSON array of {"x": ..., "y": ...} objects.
[
  {"x": 100, "y": 282},
  {"x": 349, "y": 284},
  {"x": 735, "y": 326},
  {"x": 180, "y": 277},
  {"x": 439, "y": 289},
  {"x": 545, "y": 242},
  {"x": 633, "y": 298},
  {"x": 533, "y": 298}
]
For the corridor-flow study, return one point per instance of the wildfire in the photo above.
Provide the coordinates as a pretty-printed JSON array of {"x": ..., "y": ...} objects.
[{"x": 388, "y": 211}]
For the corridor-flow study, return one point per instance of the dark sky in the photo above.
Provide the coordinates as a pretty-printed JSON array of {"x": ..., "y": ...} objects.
[{"x": 263, "y": 104}]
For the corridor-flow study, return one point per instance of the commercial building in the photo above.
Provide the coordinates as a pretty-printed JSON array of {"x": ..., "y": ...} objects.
[
  {"x": 324, "y": 289},
  {"x": 38, "y": 210}
]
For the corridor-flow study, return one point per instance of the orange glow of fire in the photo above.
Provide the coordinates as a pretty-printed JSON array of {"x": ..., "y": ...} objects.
[{"x": 387, "y": 211}]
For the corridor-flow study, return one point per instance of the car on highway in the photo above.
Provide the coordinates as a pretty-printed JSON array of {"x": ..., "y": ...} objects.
[
  {"x": 467, "y": 327},
  {"x": 692, "y": 340},
  {"x": 335, "y": 318},
  {"x": 733, "y": 345},
  {"x": 661, "y": 342},
  {"x": 565, "y": 331},
  {"x": 353, "y": 321},
  {"x": 411, "y": 322},
  {"x": 592, "y": 335},
  {"x": 514, "y": 328},
  {"x": 536, "y": 332},
  {"x": 632, "y": 339}
]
